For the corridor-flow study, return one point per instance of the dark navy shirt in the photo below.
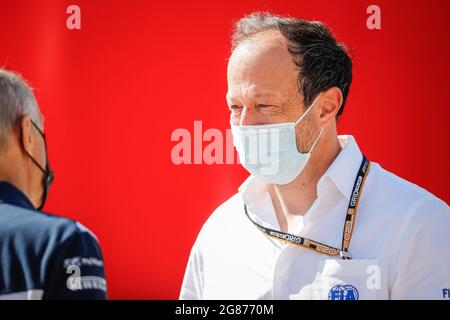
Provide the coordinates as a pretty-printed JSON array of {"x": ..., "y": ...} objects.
[{"x": 43, "y": 256}]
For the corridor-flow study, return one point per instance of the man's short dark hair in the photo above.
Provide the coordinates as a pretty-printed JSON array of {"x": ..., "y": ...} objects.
[{"x": 323, "y": 62}]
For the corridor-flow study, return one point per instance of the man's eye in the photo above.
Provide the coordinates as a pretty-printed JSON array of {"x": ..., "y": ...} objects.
[
  {"x": 261, "y": 106},
  {"x": 235, "y": 108}
]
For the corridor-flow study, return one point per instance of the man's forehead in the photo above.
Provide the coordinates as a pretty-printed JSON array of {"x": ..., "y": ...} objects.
[
  {"x": 251, "y": 90},
  {"x": 266, "y": 38},
  {"x": 261, "y": 65},
  {"x": 260, "y": 45}
]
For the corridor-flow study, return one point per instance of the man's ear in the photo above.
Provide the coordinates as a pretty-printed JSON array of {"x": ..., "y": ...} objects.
[
  {"x": 331, "y": 102},
  {"x": 26, "y": 134}
]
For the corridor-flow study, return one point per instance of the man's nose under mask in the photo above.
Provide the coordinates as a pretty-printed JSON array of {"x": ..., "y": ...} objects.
[{"x": 269, "y": 152}]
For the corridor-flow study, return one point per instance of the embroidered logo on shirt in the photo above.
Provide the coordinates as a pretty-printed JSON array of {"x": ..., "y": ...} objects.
[
  {"x": 446, "y": 293},
  {"x": 343, "y": 292},
  {"x": 77, "y": 282}
]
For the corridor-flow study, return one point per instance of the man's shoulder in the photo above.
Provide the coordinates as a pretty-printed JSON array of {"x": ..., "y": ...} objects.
[
  {"x": 225, "y": 217},
  {"x": 398, "y": 186},
  {"x": 227, "y": 212},
  {"x": 37, "y": 228},
  {"x": 35, "y": 247},
  {"x": 403, "y": 199}
]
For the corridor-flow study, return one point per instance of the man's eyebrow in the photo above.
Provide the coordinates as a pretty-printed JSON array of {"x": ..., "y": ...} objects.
[
  {"x": 258, "y": 95},
  {"x": 268, "y": 94},
  {"x": 267, "y": 98},
  {"x": 230, "y": 97}
]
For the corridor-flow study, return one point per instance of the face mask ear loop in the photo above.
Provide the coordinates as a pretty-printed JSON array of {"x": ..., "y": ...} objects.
[
  {"x": 310, "y": 107},
  {"x": 315, "y": 142}
]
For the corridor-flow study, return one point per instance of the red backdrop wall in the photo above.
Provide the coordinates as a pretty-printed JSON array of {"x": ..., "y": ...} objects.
[{"x": 114, "y": 91}]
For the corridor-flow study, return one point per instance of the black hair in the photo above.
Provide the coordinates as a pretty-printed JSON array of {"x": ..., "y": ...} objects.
[{"x": 323, "y": 62}]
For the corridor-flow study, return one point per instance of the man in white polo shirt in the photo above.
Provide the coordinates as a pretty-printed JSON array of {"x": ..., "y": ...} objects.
[{"x": 316, "y": 219}]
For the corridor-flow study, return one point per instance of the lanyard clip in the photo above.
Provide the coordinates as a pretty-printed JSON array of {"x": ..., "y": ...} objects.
[{"x": 345, "y": 255}]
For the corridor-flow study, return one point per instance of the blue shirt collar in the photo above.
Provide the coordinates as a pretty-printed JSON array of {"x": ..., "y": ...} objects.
[{"x": 11, "y": 195}]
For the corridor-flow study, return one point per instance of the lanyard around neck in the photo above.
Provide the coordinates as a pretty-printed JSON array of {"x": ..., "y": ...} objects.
[{"x": 350, "y": 220}]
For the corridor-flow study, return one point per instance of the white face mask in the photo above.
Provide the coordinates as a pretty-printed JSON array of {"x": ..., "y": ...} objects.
[{"x": 269, "y": 152}]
